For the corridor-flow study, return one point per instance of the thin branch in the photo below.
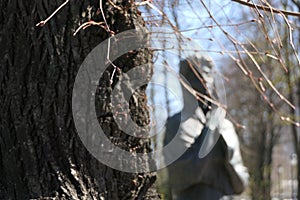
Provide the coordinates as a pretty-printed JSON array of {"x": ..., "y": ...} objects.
[
  {"x": 199, "y": 96},
  {"x": 297, "y": 4},
  {"x": 43, "y": 22},
  {"x": 266, "y": 8},
  {"x": 114, "y": 5},
  {"x": 148, "y": 3},
  {"x": 254, "y": 62},
  {"x": 212, "y": 26},
  {"x": 87, "y": 24},
  {"x": 291, "y": 38},
  {"x": 103, "y": 16}
]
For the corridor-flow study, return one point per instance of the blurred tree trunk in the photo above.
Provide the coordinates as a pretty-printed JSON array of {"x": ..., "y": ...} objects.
[
  {"x": 257, "y": 140},
  {"x": 260, "y": 162},
  {"x": 294, "y": 129},
  {"x": 293, "y": 80},
  {"x": 41, "y": 155}
]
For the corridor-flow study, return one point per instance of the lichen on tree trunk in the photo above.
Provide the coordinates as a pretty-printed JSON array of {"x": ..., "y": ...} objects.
[{"x": 41, "y": 155}]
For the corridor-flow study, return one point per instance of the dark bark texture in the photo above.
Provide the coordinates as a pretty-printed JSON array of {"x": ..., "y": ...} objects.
[{"x": 41, "y": 155}]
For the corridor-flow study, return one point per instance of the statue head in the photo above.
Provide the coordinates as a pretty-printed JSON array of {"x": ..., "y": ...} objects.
[{"x": 197, "y": 70}]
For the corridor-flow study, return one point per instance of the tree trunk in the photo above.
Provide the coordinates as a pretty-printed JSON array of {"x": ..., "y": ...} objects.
[
  {"x": 41, "y": 155},
  {"x": 257, "y": 170}
]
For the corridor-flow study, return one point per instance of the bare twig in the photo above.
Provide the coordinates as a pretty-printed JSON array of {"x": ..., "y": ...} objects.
[
  {"x": 103, "y": 16},
  {"x": 87, "y": 24},
  {"x": 291, "y": 38},
  {"x": 271, "y": 32},
  {"x": 114, "y": 5},
  {"x": 255, "y": 63},
  {"x": 199, "y": 96},
  {"x": 267, "y": 8},
  {"x": 148, "y": 3},
  {"x": 43, "y": 22}
]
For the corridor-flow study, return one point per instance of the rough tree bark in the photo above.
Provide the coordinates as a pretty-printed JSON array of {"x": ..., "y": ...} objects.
[{"x": 41, "y": 155}]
